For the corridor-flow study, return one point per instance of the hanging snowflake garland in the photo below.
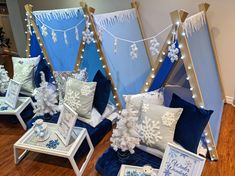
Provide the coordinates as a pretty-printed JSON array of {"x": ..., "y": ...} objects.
[
  {"x": 65, "y": 38},
  {"x": 54, "y": 37},
  {"x": 44, "y": 30},
  {"x": 134, "y": 51},
  {"x": 88, "y": 36},
  {"x": 76, "y": 34},
  {"x": 173, "y": 52},
  {"x": 115, "y": 45},
  {"x": 154, "y": 46}
]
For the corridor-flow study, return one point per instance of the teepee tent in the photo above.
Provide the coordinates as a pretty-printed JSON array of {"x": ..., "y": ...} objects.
[{"x": 195, "y": 74}]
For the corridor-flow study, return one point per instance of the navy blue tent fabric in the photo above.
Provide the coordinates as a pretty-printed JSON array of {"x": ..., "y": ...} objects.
[
  {"x": 163, "y": 72},
  {"x": 96, "y": 134},
  {"x": 110, "y": 163}
]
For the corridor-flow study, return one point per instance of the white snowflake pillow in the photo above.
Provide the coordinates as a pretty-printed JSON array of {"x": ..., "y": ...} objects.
[
  {"x": 24, "y": 72},
  {"x": 79, "y": 96},
  {"x": 154, "y": 97},
  {"x": 156, "y": 125},
  {"x": 61, "y": 78}
]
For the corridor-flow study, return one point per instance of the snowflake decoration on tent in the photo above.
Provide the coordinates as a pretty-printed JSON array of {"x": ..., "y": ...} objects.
[
  {"x": 88, "y": 36},
  {"x": 173, "y": 52},
  {"x": 115, "y": 45},
  {"x": 149, "y": 131},
  {"x": 134, "y": 51},
  {"x": 4, "y": 79},
  {"x": 54, "y": 37},
  {"x": 76, "y": 34},
  {"x": 44, "y": 30},
  {"x": 154, "y": 46},
  {"x": 65, "y": 38}
]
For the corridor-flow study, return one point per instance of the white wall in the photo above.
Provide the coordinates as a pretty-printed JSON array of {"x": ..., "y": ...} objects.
[{"x": 155, "y": 15}]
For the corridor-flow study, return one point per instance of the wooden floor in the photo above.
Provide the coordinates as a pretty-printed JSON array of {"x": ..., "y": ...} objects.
[{"x": 42, "y": 165}]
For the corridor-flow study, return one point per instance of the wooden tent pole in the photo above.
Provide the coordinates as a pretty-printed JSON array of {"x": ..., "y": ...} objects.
[
  {"x": 29, "y": 10},
  {"x": 135, "y": 5},
  {"x": 89, "y": 12},
  {"x": 203, "y": 8},
  {"x": 194, "y": 83}
]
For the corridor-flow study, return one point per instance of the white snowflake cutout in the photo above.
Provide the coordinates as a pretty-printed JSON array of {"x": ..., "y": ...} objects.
[
  {"x": 44, "y": 30},
  {"x": 54, "y": 37},
  {"x": 149, "y": 131},
  {"x": 173, "y": 52},
  {"x": 168, "y": 119},
  {"x": 65, "y": 38},
  {"x": 115, "y": 45},
  {"x": 154, "y": 46},
  {"x": 134, "y": 51},
  {"x": 88, "y": 36}
]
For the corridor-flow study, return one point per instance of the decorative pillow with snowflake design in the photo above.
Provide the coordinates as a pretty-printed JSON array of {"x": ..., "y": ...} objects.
[
  {"x": 79, "y": 96},
  {"x": 24, "y": 71},
  {"x": 156, "y": 125},
  {"x": 154, "y": 97},
  {"x": 61, "y": 78}
]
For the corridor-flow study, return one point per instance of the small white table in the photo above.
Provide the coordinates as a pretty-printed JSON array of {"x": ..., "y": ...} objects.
[
  {"x": 28, "y": 142},
  {"x": 22, "y": 103}
]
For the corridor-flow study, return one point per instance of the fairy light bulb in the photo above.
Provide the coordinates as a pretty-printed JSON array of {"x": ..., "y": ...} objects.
[
  {"x": 191, "y": 89},
  {"x": 100, "y": 58},
  {"x": 81, "y": 57},
  {"x": 183, "y": 34},
  {"x": 104, "y": 66},
  {"x": 182, "y": 57},
  {"x": 194, "y": 96},
  {"x": 153, "y": 69},
  {"x": 187, "y": 78},
  {"x": 189, "y": 67}
]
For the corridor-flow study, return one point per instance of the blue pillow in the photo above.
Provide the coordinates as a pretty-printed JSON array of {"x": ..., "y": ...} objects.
[
  {"x": 102, "y": 92},
  {"x": 191, "y": 123},
  {"x": 42, "y": 66}
]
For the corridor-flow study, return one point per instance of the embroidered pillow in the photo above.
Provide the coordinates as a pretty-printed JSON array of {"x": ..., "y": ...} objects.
[
  {"x": 79, "y": 96},
  {"x": 24, "y": 72},
  {"x": 191, "y": 124},
  {"x": 102, "y": 92},
  {"x": 61, "y": 78},
  {"x": 153, "y": 97},
  {"x": 156, "y": 125}
]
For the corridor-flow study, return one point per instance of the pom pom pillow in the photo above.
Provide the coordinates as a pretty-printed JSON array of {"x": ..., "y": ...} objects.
[
  {"x": 79, "y": 96},
  {"x": 153, "y": 97},
  {"x": 156, "y": 125},
  {"x": 24, "y": 72},
  {"x": 191, "y": 124}
]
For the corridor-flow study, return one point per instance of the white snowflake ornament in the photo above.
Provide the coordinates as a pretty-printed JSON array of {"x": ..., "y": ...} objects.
[
  {"x": 134, "y": 51},
  {"x": 88, "y": 36},
  {"x": 44, "y": 30},
  {"x": 54, "y": 37},
  {"x": 154, "y": 46},
  {"x": 65, "y": 38},
  {"x": 173, "y": 52},
  {"x": 115, "y": 45},
  {"x": 76, "y": 34}
]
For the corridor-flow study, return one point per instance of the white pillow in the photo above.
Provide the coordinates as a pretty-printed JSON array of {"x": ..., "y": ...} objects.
[
  {"x": 154, "y": 97},
  {"x": 24, "y": 72},
  {"x": 96, "y": 117},
  {"x": 156, "y": 125}
]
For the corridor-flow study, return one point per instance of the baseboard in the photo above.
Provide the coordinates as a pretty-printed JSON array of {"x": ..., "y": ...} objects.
[{"x": 229, "y": 100}]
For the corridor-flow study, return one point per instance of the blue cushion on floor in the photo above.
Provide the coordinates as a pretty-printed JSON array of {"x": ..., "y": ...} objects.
[
  {"x": 191, "y": 123},
  {"x": 102, "y": 92},
  {"x": 109, "y": 163}
]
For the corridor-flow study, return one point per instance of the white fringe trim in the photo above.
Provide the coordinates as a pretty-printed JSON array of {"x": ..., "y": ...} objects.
[
  {"x": 58, "y": 14},
  {"x": 113, "y": 17},
  {"x": 194, "y": 23}
]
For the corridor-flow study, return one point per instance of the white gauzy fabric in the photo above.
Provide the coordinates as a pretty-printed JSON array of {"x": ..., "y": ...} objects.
[
  {"x": 154, "y": 97},
  {"x": 79, "y": 96},
  {"x": 156, "y": 125},
  {"x": 24, "y": 72},
  {"x": 194, "y": 23}
]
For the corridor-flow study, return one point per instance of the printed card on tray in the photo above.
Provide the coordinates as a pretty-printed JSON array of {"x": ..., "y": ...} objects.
[
  {"x": 177, "y": 161},
  {"x": 66, "y": 124},
  {"x": 12, "y": 94}
]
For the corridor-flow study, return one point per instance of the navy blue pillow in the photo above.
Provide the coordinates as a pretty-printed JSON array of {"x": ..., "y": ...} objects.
[
  {"x": 42, "y": 66},
  {"x": 191, "y": 123},
  {"x": 102, "y": 92}
]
